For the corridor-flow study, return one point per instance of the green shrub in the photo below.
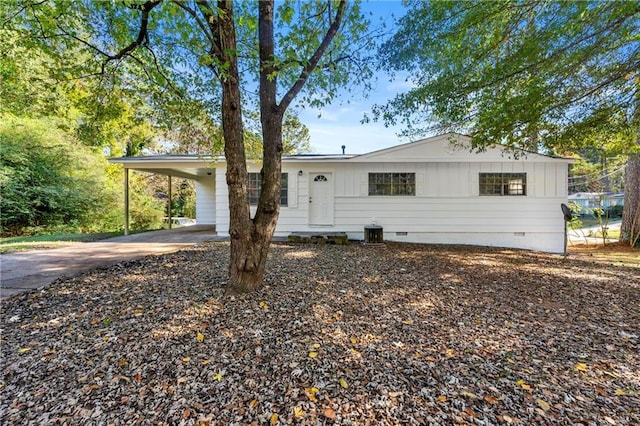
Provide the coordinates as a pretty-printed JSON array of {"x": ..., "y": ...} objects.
[{"x": 614, "y": 212}]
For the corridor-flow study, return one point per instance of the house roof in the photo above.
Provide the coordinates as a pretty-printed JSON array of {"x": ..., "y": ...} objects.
[
  {"x": 450, "y": 147},
  {"x": 594, "y": 195},
  {"x": 453, "y": 147}
]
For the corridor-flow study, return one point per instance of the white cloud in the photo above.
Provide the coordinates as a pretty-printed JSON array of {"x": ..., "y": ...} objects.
[
  {"x": 344, "y": 110},
  {"x": 325, "y": 114},
  {"x": 340, "y": 124},
  {"x": 403, "y": 85}
]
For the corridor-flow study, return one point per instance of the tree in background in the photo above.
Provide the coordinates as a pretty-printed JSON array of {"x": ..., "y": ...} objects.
[
  {"x": 49, "y": 120},
  {"x": 295, "y": 136},
  {"x": 48, "y": 180},
  {"x": 594, "y": 175},
  {"x": 538, "y": 75},
  {"x": 197, "y": 49}
]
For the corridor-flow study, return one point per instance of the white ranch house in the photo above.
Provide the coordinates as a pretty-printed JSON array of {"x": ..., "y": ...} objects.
[{"x": 434, "y": 190}]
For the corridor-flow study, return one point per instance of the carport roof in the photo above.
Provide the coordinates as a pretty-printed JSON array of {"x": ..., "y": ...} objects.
[
  {"x": 186, "y": 166},
  {"x": 193, "y": 166}
]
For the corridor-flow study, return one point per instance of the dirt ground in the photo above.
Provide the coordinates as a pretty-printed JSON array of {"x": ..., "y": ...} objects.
[{"x": 398, "y": 334}]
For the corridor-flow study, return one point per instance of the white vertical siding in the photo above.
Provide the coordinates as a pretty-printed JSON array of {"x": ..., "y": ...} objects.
[
  {"x": 206, "y": 200},
  {"x": 538, "y": 180},
  {"x": 292, "y": 179},
  {"x": 222, "y": 200},
  {"x": 447, "y": 207}
]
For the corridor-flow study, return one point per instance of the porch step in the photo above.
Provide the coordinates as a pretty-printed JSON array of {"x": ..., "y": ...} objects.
[{"x": 319, "y": 237}]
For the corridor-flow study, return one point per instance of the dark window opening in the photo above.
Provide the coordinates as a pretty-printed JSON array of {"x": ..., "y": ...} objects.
[
  {"x": 392, "y": 184},
  {"x": 503, "y": 184},
  {"x": 255, "y": 185}
]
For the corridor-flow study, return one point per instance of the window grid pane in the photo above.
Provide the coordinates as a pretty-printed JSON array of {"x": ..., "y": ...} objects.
[
  {"x": 254, "y": 187},
  {"x": 392, "y": 184},
  {"x": 503, "y": 184},
  {"x": 284, "y": 189}
]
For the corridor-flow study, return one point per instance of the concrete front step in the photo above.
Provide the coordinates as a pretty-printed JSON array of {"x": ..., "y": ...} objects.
[{"x": 319, "y": 237}]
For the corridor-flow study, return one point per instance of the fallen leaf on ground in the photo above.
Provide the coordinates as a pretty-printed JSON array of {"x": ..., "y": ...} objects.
[
  {"x": 329, "y": 413},
  {"x": 298, "y": 412},
  {"x": 523, "y": 385},
  {"x": 274, "y": 419},
  {"x": 491, "y": 399},
  {"x": 311, "y": 394},
  {"x": 543, "y": 404}
]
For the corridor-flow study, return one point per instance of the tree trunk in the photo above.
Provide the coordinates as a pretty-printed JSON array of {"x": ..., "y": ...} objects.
[
  {"x": 251, "y": 238},
  {"x": 630, "y": 228},
  {"x": 248, "y": 254}
]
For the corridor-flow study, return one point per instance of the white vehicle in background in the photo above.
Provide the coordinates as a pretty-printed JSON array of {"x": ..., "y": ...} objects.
[{"x": 177, "y": 222}]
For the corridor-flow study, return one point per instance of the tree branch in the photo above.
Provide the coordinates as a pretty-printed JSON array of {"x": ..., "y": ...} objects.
[
  {"x": 22, "y": 9},
  {"x": 315, "y": 58},
  {"x": 157, "y": 66},
  {"x": 206, "y": 10},
  {"x": 205, "y": 28},
  {"x": 556, "y": 53},
  {"x": 141, "y": 40},
  {"x": 143, "y": 35}
]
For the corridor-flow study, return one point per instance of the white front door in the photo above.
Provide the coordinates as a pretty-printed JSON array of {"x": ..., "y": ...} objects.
[{"x": 320, "y": 199}]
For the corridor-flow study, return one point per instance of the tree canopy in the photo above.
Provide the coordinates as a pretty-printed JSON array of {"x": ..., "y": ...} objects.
[
  {"x": 227, "y": 59},
  {"x": 552, "y": 76},
  {"x": 517, "y": 72},
  {"x": 48, "y": 179}
]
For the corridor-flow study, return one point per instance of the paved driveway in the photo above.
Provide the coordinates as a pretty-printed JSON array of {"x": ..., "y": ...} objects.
[{"x": 29, "y": 270}]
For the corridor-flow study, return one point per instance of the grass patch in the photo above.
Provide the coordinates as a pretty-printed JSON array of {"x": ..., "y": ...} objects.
[
  {"x": 588, "y": 221},
  {"x": 611, "y": 233},
  {"x": 617, "y": 254},
  {"x": 38, "y": 242}
]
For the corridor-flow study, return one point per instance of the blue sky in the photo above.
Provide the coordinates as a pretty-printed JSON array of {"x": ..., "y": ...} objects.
[{"x": 340, "y": 123}]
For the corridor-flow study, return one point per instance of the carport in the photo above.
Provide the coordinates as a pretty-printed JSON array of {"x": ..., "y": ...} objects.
[{"x": 200, "y": 169}]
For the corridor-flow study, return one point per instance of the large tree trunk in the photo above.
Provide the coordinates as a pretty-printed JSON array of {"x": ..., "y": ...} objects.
[
  {"x": 251, "y": 238},
  {"x": 248, "y": 254},
  {"x": 630, "y": 229}
]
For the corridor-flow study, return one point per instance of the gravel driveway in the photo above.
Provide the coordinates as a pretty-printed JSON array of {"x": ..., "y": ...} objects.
[{"x": 352, "y": 335}]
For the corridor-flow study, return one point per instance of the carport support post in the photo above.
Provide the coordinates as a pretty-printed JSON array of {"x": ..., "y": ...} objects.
[
  {"x": 169, "y": 206},
  {"x": 126, "y": 201}
]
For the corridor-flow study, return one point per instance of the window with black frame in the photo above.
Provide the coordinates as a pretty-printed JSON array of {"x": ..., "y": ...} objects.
[
  {"x": 255, "y": 185},
  {"x": 503, "y": 184},
  {"x": 392, "y": 184}
]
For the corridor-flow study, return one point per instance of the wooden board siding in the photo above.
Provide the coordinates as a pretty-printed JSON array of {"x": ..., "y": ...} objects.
[
  {"x": 206, "y": 200},
  {"x": 447, "y": 206}
]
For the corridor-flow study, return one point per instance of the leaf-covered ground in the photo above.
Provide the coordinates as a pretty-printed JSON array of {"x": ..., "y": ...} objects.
[{"x": 400, "y": 334}]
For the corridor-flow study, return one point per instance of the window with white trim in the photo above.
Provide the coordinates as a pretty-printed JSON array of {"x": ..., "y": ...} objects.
[
  {"x": 255, "y": 185},
  {"x": 392, "y": 184},
  {"x": 503, "y": 184}
]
